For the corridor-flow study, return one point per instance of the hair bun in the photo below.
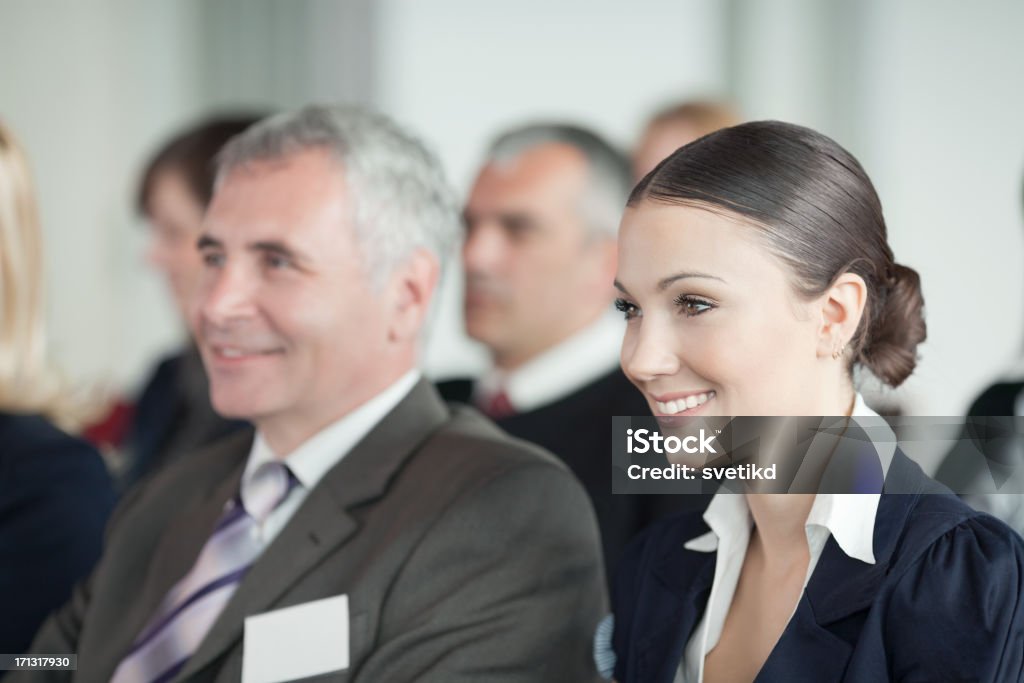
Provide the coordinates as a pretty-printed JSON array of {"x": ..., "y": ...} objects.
[{"x": 897, "y": 327}]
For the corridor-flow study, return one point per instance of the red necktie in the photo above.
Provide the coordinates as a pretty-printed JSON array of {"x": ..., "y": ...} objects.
[{"x": 499, "y": 406}]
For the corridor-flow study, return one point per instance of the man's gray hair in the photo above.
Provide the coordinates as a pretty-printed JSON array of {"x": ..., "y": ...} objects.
[
  {"x": 610, "y": 178},
  {"x": 400, "y": 198}
]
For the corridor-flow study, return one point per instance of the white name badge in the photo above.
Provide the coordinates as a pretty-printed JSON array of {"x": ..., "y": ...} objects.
[{"x": 296, "y": 642}]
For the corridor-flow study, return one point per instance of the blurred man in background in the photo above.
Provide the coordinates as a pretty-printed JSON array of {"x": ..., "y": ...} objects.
[
  {"x": 173, "y": 415},
  {"x": 540, "y": 259},
  {"x": 678, "y": 125}
]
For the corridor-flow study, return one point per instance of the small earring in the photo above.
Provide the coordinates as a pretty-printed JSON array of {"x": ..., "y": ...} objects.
[{"x": 837, "y": 353}]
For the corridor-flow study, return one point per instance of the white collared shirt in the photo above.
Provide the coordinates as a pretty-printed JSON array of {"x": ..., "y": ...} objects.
[
  {"x": 318, "y": 454},
  {"x": 848, "y": 517},
  {"x": 557, "y": 372}
]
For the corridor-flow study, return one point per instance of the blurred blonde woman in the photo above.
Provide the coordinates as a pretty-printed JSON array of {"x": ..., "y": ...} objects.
[{"x": 55, "y": 493}]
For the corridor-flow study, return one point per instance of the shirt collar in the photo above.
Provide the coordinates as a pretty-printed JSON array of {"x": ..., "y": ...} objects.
[
  {"x": 728, "y": 516},
  {"x": 881, "y": 434},
  {"x": 848, "y": 517},
  {"x": 325, "y": 449},
  {"x": 559, "y": 371}
]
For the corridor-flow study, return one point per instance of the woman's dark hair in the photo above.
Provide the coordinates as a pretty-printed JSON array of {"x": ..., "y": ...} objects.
[
  {"x": 818, "y": 212},
  {"x": 191, "y": 153}
]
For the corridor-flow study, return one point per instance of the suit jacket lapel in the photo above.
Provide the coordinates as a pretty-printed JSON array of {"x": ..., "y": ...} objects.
[
  {"x": 322, "y": 523},
  {"x": 675, "y": 605},
  {"x": 806, "y": 651},
  {"x": 841, "y": 588},
  {"x": 841, "y": 585},
  {"x": 183, "y": 536}
]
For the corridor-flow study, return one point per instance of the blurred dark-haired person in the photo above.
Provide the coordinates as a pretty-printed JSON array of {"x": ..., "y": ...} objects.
[
  {"x": 539, "y": 257},
  {"x": 366, "y": 531},
  {"x": 976, "y": 463},
  {"x": 173, "y": 415},
  {"x": 677, "y": 125},
  {"x": 755, "y": 275},
  {"x": 55, "y": 493}
]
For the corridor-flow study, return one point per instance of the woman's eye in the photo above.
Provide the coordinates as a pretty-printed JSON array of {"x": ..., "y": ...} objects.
[
  {"x": 628, "y": 310},
  {"x": 691, "y": 305}
]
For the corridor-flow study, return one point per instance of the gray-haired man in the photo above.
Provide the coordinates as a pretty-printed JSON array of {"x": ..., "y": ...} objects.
[
  {"x": 540, "y": 259},
  {"x": 365, "y": 532}
]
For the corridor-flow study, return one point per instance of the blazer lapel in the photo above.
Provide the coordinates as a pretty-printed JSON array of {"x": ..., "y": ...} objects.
[
  {"x": 840, "y": 589},
  {"x": 806, "y": 651},
  {"x": 322, "y": 523},
  {"x": 182, "y": 538},
  {"x": 676, "y": 601},
  {"x": 842, "y": 585}
]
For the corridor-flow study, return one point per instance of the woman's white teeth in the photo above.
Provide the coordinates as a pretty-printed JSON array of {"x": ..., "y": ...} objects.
[{"x": 681, "y": 404}]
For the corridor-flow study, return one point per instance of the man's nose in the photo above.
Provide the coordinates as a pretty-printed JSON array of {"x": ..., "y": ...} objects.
[
  {"x": 227, "y": 293},
  {"x": 484, "y": 248}
]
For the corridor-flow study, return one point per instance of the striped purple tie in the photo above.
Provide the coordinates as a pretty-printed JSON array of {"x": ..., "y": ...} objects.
[{"x": 185, "y": 616}]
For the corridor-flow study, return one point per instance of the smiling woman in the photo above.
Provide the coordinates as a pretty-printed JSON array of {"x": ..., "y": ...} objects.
[{"x": 755, "y": 275}]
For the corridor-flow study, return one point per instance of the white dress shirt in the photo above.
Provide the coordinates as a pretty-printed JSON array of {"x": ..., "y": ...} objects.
[
  {"x": 559, "y": 371},
  {"x": 849, "y": 517},
  {"x": 318, "y": 454}
]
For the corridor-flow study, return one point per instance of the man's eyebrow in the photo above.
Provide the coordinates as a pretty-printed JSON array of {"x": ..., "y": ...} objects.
[
  {"x": 664, "y": 283},
  {"x": 277, "y": 248},
  {"x": 207, "y": 242}
]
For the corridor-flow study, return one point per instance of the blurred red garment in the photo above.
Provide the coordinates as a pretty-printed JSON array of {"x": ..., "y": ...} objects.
[{"x": 112, "y": 430}]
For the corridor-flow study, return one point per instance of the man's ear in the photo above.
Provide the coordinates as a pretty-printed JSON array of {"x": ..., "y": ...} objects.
[
  {"x": 604, "y": 257},
  {"x": 842, "y": 306},
  {"x": 413, "y": 284}
]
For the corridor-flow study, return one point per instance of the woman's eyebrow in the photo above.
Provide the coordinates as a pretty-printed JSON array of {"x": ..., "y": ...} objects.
[{"x": 665, "y": 282}]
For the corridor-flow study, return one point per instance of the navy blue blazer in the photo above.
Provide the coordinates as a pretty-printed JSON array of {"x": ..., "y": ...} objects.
[
  {"x": 55, "y": 497},
  {"x": 944, "y": 601}
]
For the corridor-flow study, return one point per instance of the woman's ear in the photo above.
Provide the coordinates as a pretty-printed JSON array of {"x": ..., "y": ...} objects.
[{"x": 842, "y": 307}]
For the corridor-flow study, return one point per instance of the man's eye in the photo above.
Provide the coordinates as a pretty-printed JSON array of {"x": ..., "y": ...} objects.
[
  {"x": 628, "y": 310},
  {"x": 691, "y": 305},
  {"x": 213, "y": 259},
  {"x": 517, "y": 227},
  {"x": 277, "y": 261}
]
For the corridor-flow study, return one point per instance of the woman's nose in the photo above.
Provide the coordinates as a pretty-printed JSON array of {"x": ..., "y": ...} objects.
[{"x": 648, "y": 352}]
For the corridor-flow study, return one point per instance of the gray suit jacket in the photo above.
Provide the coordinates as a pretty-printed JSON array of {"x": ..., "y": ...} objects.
[{"x": 465, "y": 555}]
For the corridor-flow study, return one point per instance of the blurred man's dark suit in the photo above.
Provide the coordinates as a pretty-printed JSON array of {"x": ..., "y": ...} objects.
[
  {"x": 578, "y": 429},
  {"x": 465, "y": 555},
  {"x": 989, "y": 452}
]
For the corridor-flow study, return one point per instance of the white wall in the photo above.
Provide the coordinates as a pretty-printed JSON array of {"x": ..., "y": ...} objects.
[
  {"x": 927, "y": 94},
  {"x": 88, "y": 87},
  {"x": 459, "y": 71},
  {"x": 944, "y": 140}
]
